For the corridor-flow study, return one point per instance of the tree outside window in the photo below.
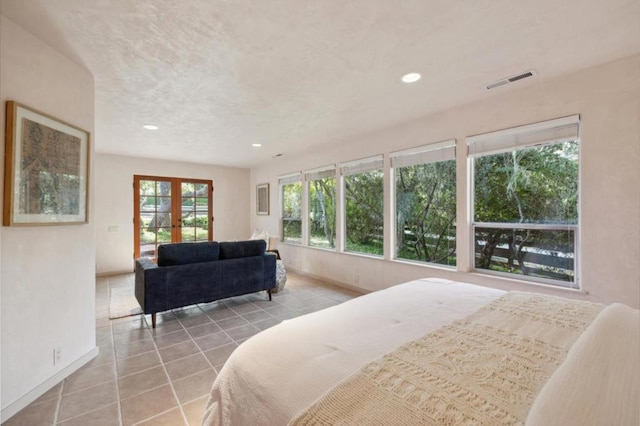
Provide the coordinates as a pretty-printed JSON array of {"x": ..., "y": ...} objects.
[
  {"x": 292, "y": 212},
  {"x": 364, "y": 212},
  {"x": 525, "y": 216},
  {"x": 426, "y": 212},
  {"x": 322, "y": 212}
]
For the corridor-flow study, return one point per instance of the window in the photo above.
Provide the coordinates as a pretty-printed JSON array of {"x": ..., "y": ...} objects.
[
  {"x": 170, "y": 210},
  {"x": 291, "y": 208},
  {"x": 525, "y": 201},
  {"x": 364, "y": 205},
  {"x": 425, "y": 203},
  {"x": 322, "y": 207}
]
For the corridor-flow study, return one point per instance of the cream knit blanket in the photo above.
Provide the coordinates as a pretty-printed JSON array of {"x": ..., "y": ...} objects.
[{"x": 485, "y": 369}]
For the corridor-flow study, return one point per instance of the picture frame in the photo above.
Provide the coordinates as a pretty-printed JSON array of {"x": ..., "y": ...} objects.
[
  {"x": 46, "y": 180},
  {"x": 262, "y": 199}
]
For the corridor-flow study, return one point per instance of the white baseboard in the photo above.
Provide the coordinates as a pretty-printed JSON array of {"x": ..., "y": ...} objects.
[
  {"x": 330, "y": 281},
  {"x": 112, "y": 273},
  {"x": 35, "y": 393}
]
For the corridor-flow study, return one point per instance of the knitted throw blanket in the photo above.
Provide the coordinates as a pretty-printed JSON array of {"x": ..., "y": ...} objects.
[{"x": 485, "y": 369}]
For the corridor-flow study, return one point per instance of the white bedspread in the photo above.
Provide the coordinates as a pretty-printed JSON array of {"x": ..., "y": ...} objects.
[{"x": 280, "y": 372}]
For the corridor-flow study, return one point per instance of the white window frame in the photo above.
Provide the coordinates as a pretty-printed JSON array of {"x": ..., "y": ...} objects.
[
  {"x": 538, "y": 134},
  {"x": 309, "y": 176},
  {"x": 286, "y": 180},
  {"x": 426, "y": 154},
  {"x": 349, "y": 168}
]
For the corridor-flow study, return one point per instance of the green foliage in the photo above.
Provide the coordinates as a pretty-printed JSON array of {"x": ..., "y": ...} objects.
[
  {"x": 190, "y": 234},
  {"x": 163, "y": 235},
  {"x": 292, "y": 212},
  {"x": 292, "y": 200},
  {"x": 534, "y": 185},
  {"x": 292, "y": 230},
  {"x": 148, "y": 201},
  {"x": 426, "y": 212},
  {"x": 374, "y": 247},
  {"x": 322, "y": 212},
  {"x": 364, "y": 209},
  {"x": 200, "y": 222}
]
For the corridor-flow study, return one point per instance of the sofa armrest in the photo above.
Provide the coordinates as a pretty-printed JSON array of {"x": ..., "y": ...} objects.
[
  {"x": 145, "y": 263},
  {"x": 150, "y": 285},
  {"x": 269, "y": 270}
]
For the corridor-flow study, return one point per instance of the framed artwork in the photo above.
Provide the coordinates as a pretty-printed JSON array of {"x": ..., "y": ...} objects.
[
  {"x": 262, "y": 199},
  {"x": 46, "y": 177}
]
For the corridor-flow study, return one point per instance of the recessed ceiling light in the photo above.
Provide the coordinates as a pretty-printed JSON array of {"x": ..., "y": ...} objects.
[
  {"x": 256, "y": 145},
  {"x": 412, "y": 77},
  {"x": 150, "y": 127}
]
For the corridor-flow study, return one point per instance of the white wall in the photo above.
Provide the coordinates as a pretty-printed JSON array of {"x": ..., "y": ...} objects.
[
  {"x": 607, "y": 98},
  {"x": 47, "y": 273},
  {"x": 114, "y": 203}
]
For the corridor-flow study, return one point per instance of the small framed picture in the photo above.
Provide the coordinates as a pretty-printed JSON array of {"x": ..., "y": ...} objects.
[
  {"x": 262, "y": 199},
  {"x": 46, "y": 169}
]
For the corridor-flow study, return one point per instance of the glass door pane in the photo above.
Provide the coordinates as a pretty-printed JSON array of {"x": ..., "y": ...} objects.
[
  {"x": 195, "y": 211},
  {"x": 154, "y": 216},
  {"x": 170, "y": 210}
]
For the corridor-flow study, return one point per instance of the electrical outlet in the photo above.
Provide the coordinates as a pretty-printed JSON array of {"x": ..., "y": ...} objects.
[{"x": 57, "y": 355}]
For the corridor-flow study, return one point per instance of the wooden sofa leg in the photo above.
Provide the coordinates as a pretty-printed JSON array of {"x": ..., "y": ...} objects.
[
  {"x": 269, "y": 291},
  {"x": 153, "y": 320}
]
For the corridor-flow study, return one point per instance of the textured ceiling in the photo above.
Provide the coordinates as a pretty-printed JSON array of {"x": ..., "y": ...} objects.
[{"x": 219, "y": 75}]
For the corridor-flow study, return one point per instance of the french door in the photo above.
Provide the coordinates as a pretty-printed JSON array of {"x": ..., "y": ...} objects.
[{"x": 170, "y": 210}]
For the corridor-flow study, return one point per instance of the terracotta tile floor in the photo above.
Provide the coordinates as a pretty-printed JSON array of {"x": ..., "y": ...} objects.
[{"x": 163, "y": 376}]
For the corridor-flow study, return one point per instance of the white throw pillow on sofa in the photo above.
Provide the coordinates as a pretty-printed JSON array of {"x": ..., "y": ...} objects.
[{"x": 260, "y": 235}]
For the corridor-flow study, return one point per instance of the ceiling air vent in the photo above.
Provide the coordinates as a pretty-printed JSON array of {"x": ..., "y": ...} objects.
[{"x": 511, "y": 79}]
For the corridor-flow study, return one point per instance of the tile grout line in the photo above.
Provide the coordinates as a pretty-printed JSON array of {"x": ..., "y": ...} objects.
[
  {"x": 59, "y": 402},
  {"x": 306, "y": 302},
  {"x": 155, "y": 416},
  {"x": 62, "y": 394},
  {"x": 139, "y": 371},
  {"x": 205, "y": 357},
  {"x": 84, "y": 414},
  {"x": 193, "y": 340},
  {"x": 196, "y": 343},
  {"x": 115, "y": 363},
  {"x": 146, "y": 390},
  {"x": 115, "y": 357},
  {"x": 225, "y": 332},
  {"x": 201, "y": 352},
  {"x": 164, "y": 368}
]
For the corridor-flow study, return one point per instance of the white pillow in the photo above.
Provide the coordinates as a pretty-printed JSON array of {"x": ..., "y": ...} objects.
[
  {"x": 260, "y": 235},
  {"x": 599, "y": 381}
]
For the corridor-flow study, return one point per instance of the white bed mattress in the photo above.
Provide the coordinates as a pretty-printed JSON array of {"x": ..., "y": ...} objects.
[
  {"x": 307, "y": 356},
  {"x": 281, "y": 372}
]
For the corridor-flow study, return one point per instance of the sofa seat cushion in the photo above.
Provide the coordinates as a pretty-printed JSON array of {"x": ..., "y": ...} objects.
[
  {"x": 187, "y": 253},
  {"x": 237, "y": 249}
]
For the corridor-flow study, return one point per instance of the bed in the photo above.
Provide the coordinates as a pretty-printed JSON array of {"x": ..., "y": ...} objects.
[{"x": 434, "y": 351}]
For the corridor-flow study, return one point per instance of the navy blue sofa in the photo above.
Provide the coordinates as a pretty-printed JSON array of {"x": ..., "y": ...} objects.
[{"x": 190, "y": 273}]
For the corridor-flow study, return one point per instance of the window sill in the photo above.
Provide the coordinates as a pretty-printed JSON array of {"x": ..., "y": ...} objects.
[
  {"x": 426, "y": 265},
  {"x": 366, "y": 255},
  {"x": 517, "y": 281}
]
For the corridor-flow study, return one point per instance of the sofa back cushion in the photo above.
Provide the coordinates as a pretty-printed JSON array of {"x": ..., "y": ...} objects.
[
  {"x": 185, "y": 253},
  {"x": 236, "y": 249}
]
